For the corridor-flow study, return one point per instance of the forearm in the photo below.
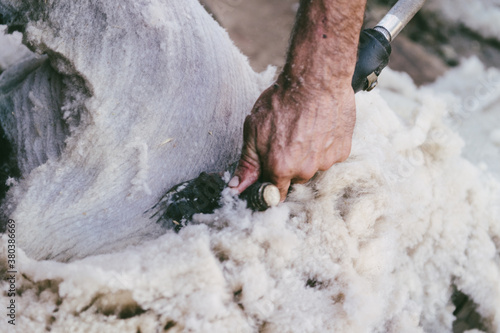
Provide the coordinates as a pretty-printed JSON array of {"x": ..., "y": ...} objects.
[{"x": 323, "y": 47}]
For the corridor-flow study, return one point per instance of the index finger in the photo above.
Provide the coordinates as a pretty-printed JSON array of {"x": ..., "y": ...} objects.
[{"x": 248, "y": 170}]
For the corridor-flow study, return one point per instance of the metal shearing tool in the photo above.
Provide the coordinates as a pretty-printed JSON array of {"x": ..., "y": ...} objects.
[{"x": 375, "y": 44}]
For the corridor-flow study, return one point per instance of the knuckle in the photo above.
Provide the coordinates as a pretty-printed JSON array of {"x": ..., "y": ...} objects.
[
  {"x": 248, "y": 163},
  {"x": 307, "y": 172},
  {"x": 345, "y": 151},
  {"x": 279, "y": 171},
  {"x": 327, "y": 162}
]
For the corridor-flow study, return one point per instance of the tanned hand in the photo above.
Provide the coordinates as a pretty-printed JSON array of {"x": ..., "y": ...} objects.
[{"x": 304, "y": 122}]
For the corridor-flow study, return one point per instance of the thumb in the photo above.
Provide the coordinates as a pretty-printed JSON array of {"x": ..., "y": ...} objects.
[{"x": 248, "y": 169}]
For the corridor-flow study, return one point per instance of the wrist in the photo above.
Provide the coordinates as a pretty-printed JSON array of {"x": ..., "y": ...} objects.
[
  {"x": 313, "y": 82},
  {"x": 324, "y": 44}
]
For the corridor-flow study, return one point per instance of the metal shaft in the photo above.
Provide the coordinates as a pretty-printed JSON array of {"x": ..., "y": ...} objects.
[{"x": 397, "y": 18}]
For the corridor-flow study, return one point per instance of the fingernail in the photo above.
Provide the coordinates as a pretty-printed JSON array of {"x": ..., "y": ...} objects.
[{"x": 234, "y": 182}]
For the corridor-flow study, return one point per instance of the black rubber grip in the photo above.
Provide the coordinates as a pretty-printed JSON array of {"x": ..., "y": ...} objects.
[{"x": 373, "y": 55}]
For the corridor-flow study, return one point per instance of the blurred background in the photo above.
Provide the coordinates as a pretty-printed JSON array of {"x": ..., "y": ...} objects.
[{"x": 429, "y": 45}]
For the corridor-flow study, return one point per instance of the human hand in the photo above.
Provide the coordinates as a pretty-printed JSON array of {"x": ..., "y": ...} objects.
[
  {"x": 304, "y": 122},
  {"x": 293, "y": 132}
]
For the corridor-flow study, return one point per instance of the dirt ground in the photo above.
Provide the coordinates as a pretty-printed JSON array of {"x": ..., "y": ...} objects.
[{"x": 260, "y": 28}]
